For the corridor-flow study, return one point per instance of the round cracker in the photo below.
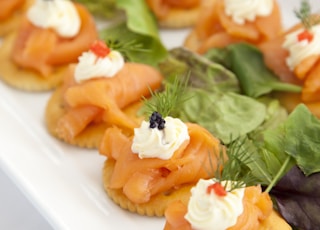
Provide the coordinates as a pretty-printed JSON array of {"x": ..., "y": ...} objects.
[
  {"x": 25, "y": 79},
  {"x": 157, "y": 204},
  {"x": 178, "y": 18},
  {"x": 88, "y": 138}
]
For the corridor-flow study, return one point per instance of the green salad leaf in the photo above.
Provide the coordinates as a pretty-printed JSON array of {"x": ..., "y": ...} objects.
[
  {"x": 278, "y": 148},
  {"x": 141, "y": 48},
  {"x": 275, "y": 115},
  {"x": 266, "y": 166},
  {"x": 246, "y": 61},
  {"x": 139, "y": 30},
  {"x": 101, "y": 8},
  {"x": 219, "y": 55},
  {"x": 203, "y": 73},
  {"x": 214, "y": 100},
  {"x": 139, "y": 18},
  {"x": 299, "y": 137},
  {"x": 226, "y": 115}
]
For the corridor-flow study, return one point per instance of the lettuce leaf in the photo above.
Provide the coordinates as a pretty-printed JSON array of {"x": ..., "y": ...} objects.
[
  {"x": 276, "y": 150},
  {"x": 138, "y": 32},
  {"x": 246, "y": 61},
  {"x": 299, "y": 137},
  {"x": 139, "y": 18},
  {"x": 265, "y": 165},
  {"x": 226, "y": 115},
  {"x": 202, "y": 72}
]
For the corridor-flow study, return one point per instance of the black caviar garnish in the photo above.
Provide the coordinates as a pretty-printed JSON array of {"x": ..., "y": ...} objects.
[{"x": 156, "y": 121}]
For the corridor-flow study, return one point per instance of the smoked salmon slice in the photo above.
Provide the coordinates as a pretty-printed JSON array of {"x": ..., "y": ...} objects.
[
  {"x": 8, "y": 7},
  {"x": 114, "y": 101},
  {"x": 43, "y": 49},
  {"x": 257, "y": 213},
  {"x": 214, "y": 21},
  {"x": 141, "y": 179}
]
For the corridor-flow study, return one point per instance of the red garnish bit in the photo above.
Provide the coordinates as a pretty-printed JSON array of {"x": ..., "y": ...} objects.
[
  {"x": 217, "y": 188},
  {"x": 305, "y": 35},
  {"x": 100, "y": 48}
]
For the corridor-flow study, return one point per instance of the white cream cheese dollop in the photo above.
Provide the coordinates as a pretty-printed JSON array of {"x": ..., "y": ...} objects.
[
  {"x": 60, "y": 15},
  {"x": 207, "y": 211},
  {"x": 91, "y": 66},
  {"x": 299, "y": 50},
  {"x": 154, "y": 143},
  {"x": 242, "y": 10}
]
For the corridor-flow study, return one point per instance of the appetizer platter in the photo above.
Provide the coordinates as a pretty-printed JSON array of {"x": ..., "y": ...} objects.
[{"x": 66, "y": 175}]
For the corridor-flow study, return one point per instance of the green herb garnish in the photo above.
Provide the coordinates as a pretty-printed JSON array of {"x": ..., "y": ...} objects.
[
  {"x": 235, "y": 171},
  {"x": 304, "y": 14},
  {"x": 168, "y": 101},
  {"x": 125, "y": 48},
  {"x": 135, "y": 47}
]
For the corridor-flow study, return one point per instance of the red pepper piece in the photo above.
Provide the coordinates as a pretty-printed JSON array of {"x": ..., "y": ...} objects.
[
  {"x": 305, "y": 35},
  {"x": 217, "y": 188},
  {"x": 100, "y": 48}
]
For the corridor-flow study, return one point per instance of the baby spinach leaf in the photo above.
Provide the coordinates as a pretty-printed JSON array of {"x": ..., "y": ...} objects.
[
  {"x": 266, "y": 166},
  {"x": 276, "y": 115},
  {"x": 226, "y": 115},
  {"x": 255, "y": 78},
  {"x": 257, "y": 164},
  {"x": 246, "y": 61},
  {"x": 299, "y": 137}
]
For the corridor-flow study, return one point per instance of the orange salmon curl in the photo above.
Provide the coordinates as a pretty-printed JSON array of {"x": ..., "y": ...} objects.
[
  {"x": 215, "y": 29},
  {"x": 43, "y": 49}
]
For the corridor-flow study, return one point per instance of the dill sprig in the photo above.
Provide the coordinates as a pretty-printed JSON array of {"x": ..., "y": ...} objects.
[
  {"x": 168, "y": 101},
  {"x": 125, "y": 48},
  {"x": 235, "y": 171},
  {"x": 304, "y": 14}
]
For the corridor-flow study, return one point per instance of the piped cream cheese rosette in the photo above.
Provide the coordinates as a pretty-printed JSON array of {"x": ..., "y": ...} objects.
[
  {"x": 210, "y": 205},
  {"x": 213, "y": 205},
  {"x": 158, "y": 164},
  {"x": 159, "y": 142},
  {"x": 52, "y": 35},
  {"x": 100, "y": 91},
  {"x": 59, "y": 15}
]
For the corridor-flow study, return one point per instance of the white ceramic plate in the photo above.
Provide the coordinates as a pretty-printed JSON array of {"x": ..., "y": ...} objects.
[{"x": 64, "y": 182}]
